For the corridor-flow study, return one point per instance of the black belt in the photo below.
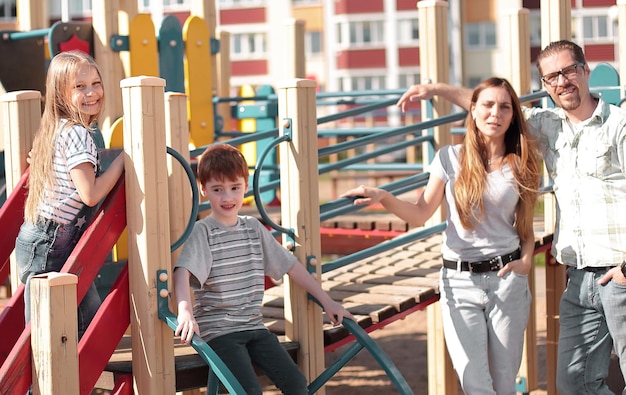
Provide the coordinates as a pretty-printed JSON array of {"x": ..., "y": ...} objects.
[
  {"x": 490, "y": 265},
  {"x": 597, "y": 269}
]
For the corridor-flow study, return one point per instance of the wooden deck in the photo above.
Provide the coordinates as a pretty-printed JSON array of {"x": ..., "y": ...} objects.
[{"x": 376, "y": 290}]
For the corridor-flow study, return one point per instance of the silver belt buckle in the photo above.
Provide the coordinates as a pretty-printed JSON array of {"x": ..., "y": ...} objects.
[{"x": 496, "y": 263}]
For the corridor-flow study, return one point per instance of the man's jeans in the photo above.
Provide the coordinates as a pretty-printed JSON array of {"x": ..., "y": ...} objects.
[
  {"x": 592, "y": 319},
  {"x": 484, "y": 318}
]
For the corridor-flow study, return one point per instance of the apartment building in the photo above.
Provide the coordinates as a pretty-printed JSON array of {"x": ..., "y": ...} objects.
[{"x": 368, "y": 44}]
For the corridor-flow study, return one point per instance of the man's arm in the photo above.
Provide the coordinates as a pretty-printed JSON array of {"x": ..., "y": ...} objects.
[{"x": 457, "y": 95}]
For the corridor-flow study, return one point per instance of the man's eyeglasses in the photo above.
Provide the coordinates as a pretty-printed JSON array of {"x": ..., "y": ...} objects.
[{"x": 568, "y": 72}]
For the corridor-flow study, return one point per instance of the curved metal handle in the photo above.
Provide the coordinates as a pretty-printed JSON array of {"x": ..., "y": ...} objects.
[{"x": 195, "y": 197}]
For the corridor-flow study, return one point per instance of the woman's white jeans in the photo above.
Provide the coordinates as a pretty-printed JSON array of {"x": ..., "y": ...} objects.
[{"x": 484, "y": 319}]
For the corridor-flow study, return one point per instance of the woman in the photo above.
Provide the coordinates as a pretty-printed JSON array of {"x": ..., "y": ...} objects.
[{"x": 489, "y": 183}]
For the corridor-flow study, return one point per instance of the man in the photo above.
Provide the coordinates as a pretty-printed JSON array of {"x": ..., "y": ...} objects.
[{"x": 583, "y": 142}]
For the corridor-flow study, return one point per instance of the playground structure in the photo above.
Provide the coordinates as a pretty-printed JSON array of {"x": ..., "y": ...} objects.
[{"x": 145, "y": 172}]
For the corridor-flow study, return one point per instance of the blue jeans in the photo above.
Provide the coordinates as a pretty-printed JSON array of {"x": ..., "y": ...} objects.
[
  {"x": 592, "y": 321},
  {"x": 44, "y": 247},
  {"x": 240, "y": 350},
  {"x": 484, "y": 318}
]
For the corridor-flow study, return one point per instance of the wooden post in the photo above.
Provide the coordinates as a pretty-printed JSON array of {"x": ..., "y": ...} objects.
[
  {"x": 294, "y": 63},
  {"x": 300, "y": 212},
  {"x": 21, "y": 115},
  {"x": 177, "y": 137},
  {"x": 223, "y": 79},
  {"x": 442, "y": 379},
  {"x": 435, "y": 65},
  {"x": 32, "y": 15},
  {"x": 517, "y": 49},
  {"x": 148, "y": 231},
  {"x": 556, "y": 20},
  {"x": 621, "y": 50},
  {"x": 433, "y": 32},
  {"x": 54, "y": 334},
  {"x": 105, "y": 24}
]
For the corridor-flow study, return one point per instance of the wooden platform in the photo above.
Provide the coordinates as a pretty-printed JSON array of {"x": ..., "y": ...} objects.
[{"x": 376, "y": 290}]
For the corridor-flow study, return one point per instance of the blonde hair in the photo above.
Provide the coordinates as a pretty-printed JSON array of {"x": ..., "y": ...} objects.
[
  {"x": 521, "y": 155},
  {"x": 58, "y": 105}
]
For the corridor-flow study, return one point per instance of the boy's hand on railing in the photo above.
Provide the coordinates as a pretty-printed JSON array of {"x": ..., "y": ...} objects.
[
  {"x": 336, "y": 312},
  {"x": 186, "y": 327}
]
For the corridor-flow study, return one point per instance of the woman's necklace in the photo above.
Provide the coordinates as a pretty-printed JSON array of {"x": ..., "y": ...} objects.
[{"x": 494, "y": 160}]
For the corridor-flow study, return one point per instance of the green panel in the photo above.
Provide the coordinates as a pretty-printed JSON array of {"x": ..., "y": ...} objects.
[
  {"x": 172, "y": 54},
  {"x": 605, "y": 79}
]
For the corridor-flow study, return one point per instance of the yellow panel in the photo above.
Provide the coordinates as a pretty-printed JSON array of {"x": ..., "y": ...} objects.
[
  {"x": 144, "y": 58},
  {"x": 120, "y": 249},
  {"x": 249, "y": 126},
  {"x": 198, "y": 84},
  {"x": 313, "y": 16},
  {"x": 117, "y": 134}
]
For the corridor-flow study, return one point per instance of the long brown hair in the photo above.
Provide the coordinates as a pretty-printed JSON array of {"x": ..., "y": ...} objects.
[
  {"x": 521, "y": 155},
  {"x": 58, "y": 105}
]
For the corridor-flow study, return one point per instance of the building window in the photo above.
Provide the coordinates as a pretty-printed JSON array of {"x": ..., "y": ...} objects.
[
  {"x": 76, "y": 8},
  {"x": 313, "y": 43},
  {"x": 473, "y": 81},
  {"x": 596, "y": 27},
  {"x": 168, "y": 5},
  {"x": 237, "y": 3},
  {"x": 7, "y": 10},
  {"x": 248, "y": 45},
  {"x": 360, "y": 33},
  {"x": 362, "y": 83},
  {"x": 534, "y": 21},
  {"x": 406, "y": 80},
  {"x": 408, "y": 32},
  {"x": 480, "y": 35},
  {"x": 306, "y": 2}
]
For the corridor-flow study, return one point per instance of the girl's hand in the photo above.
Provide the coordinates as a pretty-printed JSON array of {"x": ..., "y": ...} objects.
[
  {"x": 364, "y": 195},
  {"x": 518, "y": 266}
]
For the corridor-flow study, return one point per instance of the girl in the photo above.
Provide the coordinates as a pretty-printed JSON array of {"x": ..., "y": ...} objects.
[
  {"x": 489, "y": 183},
  {"x": 64, "y": 183}
]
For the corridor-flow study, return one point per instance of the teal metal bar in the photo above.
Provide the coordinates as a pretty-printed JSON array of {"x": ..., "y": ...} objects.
[
  {"x": 363, "y": 340},
  {"x": 23, "y": 35},
  {"x": 216, "y": 365}
]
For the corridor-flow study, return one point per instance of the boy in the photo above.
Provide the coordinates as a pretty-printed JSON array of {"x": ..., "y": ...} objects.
[{"x": 225, "y": 259}]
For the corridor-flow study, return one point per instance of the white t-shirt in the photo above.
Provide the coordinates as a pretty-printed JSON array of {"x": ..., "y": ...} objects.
[
  {"x": 495, "y": 234},
  {"x": 73, "y": 145}
]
